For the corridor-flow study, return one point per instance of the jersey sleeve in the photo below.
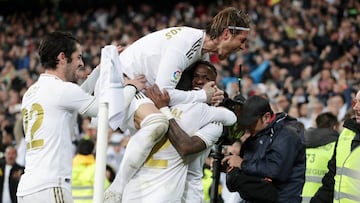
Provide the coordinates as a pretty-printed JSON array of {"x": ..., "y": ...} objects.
[
  {"x": 89, "y": 84},
  {"x": 210, "y": 133},
  {"x": 76, "y": 99},
  {"x": 219, "y": 114}
]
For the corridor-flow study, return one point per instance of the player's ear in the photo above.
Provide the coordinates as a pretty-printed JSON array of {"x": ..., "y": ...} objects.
[{"x": 226, "y": 34}]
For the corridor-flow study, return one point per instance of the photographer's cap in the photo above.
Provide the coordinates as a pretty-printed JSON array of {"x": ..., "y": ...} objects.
[{"x": 253, "y": 108}]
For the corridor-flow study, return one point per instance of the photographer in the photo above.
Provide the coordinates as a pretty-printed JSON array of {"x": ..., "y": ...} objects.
[{"x": 272, "y": 159}]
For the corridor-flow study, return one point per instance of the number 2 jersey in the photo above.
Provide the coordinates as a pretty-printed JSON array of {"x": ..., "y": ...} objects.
[
  {"x": 162, "y": 178},
  {"x": 49, "y": 109}
]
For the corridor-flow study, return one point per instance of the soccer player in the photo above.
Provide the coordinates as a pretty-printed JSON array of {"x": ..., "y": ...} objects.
[
  {"x": 49, "y": 108},
  {"x": 162, "y": 177},
  {"x": 162, "y": 56}
]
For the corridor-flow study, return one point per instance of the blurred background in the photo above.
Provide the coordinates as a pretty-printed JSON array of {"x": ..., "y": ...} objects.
[{"x": 302, "y": 55}]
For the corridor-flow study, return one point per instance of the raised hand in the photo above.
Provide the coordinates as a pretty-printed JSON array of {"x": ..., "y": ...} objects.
[
  {"x": 217, "y": 97},
  {"x": 160, "y": 98}
]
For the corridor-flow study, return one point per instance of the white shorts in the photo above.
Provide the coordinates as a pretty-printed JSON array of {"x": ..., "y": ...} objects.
[
  {"x": 49, "y": 195},
  {"x": 136, "y": 102}
]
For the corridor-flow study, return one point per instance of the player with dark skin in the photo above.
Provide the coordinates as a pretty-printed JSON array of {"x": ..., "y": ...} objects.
[{"x": 203, "y": 72}]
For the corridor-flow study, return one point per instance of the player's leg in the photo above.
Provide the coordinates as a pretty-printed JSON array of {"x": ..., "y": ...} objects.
[{"x": 152, "y": 126}]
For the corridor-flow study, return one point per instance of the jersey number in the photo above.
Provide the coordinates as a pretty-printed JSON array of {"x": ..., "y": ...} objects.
[
  {"x": 172, "y": 33},
  {"x": 158, "y": 163},
  {"x": 36, "y": 112}
]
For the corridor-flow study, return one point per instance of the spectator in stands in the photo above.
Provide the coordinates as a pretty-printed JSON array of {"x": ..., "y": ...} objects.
[
  {"x": 83, "y": 172},
  {"x": 10, "y": 173}
]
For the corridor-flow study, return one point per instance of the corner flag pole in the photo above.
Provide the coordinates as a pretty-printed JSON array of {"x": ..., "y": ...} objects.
[
  {"x": 101, "y": 145},
  {"x": 110, "y": 114}
]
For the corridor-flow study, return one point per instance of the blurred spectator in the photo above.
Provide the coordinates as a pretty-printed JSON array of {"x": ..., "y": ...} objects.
[
  {"x": 336, "y": 104},
  {"x": 83, "y": 172},
  {"x": 7, "y": 138},
  {"x": 10, "y": 173}
]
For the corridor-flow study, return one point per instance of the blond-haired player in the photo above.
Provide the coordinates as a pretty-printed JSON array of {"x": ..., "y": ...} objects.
[{"x": 163, "y": 56}]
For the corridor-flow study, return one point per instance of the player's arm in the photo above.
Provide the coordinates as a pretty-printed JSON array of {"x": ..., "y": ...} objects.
[
  {"x": 89, "y": 84},
  {"x": 182, "y": 142},
  {"x": 132, "y": 86},
  {"x": 202, "y": 139},
  {"x": 172, "y": 64}
]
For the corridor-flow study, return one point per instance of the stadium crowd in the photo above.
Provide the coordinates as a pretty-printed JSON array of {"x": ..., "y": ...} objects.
[{"x": 302, "y": 55}]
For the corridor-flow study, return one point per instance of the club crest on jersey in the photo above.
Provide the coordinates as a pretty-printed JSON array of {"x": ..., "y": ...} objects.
[{"x": 176, "y": 76}]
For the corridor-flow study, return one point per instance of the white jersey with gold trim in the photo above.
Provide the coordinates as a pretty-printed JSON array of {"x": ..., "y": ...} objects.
[
  {"x": 194, "y": 192},
  {"x": 162, "y": 178},
  {"x": 162, "y": 56},
  {"x": 48, "y": 109}
]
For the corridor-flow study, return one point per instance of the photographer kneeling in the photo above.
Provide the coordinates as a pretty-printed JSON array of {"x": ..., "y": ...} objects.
[{"x": 271, "y": 165}]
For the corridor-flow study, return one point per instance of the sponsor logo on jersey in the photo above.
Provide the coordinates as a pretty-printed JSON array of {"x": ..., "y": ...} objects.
[
  {"x": 176, "y": 76},
  {"x": 193, "y": 49}
]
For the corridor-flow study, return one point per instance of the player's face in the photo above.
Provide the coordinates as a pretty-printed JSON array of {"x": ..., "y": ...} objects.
[
  {"x": 202, "y": 75},
  {"x": 230, "y": 43},
  {"x": 74, "y": 65}
]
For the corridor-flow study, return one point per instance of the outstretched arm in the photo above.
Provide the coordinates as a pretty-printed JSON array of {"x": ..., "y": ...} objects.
[
  {"x": 89, "y": 84},
  {"x": 183, "y": 143}
]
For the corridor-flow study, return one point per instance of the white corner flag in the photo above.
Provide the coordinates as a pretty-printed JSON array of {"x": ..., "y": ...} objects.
[{"x": 111, "y": 111}]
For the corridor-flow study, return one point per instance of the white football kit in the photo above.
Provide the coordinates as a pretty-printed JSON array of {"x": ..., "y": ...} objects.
[
  {"x": 194, "y": 192},
  {"x": 162, "y": 56},
  {"x": 48, "y": 109},
  {"x": 162, "y": 178}
]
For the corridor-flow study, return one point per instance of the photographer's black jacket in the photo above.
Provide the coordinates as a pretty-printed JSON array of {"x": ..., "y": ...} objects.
[{"x": 278, "y": 153}]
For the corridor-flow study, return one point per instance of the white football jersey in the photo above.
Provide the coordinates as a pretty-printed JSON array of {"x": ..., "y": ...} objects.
[
  {"x": 162, "y": 56},
  {"x": 193, "y": 192},
  {"x": 48, "y": 109},
  {"x": 162, "y": 178}
]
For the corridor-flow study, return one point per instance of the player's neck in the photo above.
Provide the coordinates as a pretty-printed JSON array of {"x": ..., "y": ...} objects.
[
  {"x": 56, "y": 73},
  {"x": 210, "y": 45}
]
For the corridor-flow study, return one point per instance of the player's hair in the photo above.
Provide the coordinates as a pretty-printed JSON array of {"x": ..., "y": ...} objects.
[
  {"x": 326, "y": 120},
  {"x": 187, "y": 76},
  {"x": 228, "y": 17},
  {"x": 55, "y": 43}
]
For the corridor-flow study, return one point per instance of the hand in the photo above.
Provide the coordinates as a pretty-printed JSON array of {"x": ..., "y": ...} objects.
[
  {"x": 217, "y": 97},
  {"x": 209, "y": 90},
  {"x": 160, "y": 99},
  {"x": 139, "y": 81},
  {"x": 232, "y": 161}
]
